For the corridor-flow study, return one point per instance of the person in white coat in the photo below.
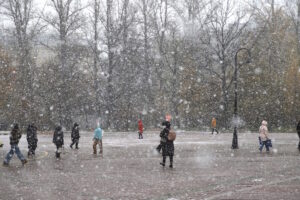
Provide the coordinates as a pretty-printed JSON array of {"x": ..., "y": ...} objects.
[{"x": 264, "y": 135}]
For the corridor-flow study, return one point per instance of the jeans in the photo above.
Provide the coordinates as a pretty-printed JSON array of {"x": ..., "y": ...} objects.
[
  {"x": 14, "y": 149},
  {"x": 264, "y": 143}
]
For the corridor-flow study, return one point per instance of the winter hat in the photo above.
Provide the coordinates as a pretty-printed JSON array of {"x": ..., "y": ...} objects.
[
  {"x": 16, "y": 126},
  {"x": 264, "y": 122},
  {"x": 58, "y": 128}
]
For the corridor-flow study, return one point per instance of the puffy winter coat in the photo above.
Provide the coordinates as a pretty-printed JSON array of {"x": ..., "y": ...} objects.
[
  {"x": 32, "y": 135},
  {"x": 298, "y": 127},
  {"x": 263, "y": 131},
  {"x": 164, "y": 135},
  {"x": 75, "y": 133},
  {"x": 15, "y": 136},
  {"x": 214, "y": 123},
  {"x": 98, "y": 133},
  {"x": 168, "y": 146},
  {"x": 58, "y": 137},
  {"x": 140, "y": 126}
]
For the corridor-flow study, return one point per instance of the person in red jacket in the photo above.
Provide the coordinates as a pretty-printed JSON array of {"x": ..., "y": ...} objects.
[{"x": 141, "y": 129}]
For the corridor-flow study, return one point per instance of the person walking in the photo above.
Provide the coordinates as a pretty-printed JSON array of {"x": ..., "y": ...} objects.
[
  {"x": 141, "y": 129},
  {"x": 263, "y": 136},
  {"x": 97, "y": 140},
  {"x": 298, "y": 131},
  {"x": 58, "y": 140},
  {"x": 168, "y": 145},
  {"x": 15, "y": 136},
  {"x": 31, "y": 139},
  {"x": 161, "y": 135},
  {"x": 75, "y": 136},
  {"x": 214, "y": 126}
]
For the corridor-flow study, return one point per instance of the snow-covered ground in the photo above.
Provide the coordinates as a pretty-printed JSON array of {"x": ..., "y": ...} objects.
[{"x": 205, "y": 168}]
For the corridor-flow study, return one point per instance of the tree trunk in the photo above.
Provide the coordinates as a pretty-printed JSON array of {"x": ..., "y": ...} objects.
[
  {"x": 96, "y": 55},
  {"x": 109, "y": 88}
]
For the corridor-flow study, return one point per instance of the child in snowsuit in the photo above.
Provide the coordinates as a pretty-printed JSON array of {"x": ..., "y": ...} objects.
[
  {"x": 32, "y": 139},
  {"x": 75, "y": 136},
  {"x": 98, "y": 140},
  {"x": 141, "y": 129},
  {"x": 58, "y": 140},
  {"x": 15, "y": 136},
  {"x": 168, "y": 145}
]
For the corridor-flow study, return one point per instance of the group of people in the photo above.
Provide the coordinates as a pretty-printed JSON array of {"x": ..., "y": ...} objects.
[
  {"x": 15, "y": 137},
  {"x": 167, "y": 138},
  {"x": 58, "y": 140}
]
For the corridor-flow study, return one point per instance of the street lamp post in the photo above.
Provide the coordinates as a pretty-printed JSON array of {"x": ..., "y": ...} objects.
[{"x": 235, "y": 137}]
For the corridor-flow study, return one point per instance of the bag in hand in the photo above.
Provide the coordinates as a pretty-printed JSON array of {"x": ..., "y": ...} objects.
[
  {"x": 172, "y": 135},
  {"x": 269, "y": 143},
  {"x": 259, "y": 141}
]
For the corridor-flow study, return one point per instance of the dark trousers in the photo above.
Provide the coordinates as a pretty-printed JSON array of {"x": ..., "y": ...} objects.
[
  {"x": 31, "y": 150},
  {"x": 58, "y": 151},
  {"x": 299, "y": 141},
  {"x": 171, "y": 159},
  {"x": 213, "y": 130},
  {"x": 75, "y": 141},
  {"x": 140, "y": 135},
  {"x": 97, "y": 141}
]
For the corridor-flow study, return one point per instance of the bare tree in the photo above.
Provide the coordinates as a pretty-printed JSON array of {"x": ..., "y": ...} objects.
[
  {"x": 66, "y": 21},
  {"x": 223, "y": 32},
  {"x": 26, "y": 28},
  {"x": 95, "y": 18}
]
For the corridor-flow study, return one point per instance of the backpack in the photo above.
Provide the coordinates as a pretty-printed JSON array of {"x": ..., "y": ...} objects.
[
  {"x": 172, "y": 135},
  {"x": 59, "y": 138}
]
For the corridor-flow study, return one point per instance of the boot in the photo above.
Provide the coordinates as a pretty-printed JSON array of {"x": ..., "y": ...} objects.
[
  {"x": 171, "y": 165},
  {"x": 5, "y": 164},
  {"x": 24, "y": 161},
  {"x": 163, "y": 164},
  {"x": 57, "y": 155}
]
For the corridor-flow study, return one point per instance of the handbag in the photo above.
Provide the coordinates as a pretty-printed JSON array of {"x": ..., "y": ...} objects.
[
  {"x": 269, "y": 143},
  {"x": 171, "y": 135}
]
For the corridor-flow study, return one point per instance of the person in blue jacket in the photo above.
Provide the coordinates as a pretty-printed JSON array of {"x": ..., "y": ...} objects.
[{"x": 98, "y": 140}]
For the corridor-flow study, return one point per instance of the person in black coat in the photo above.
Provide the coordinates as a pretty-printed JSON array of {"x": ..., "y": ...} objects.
[
  {"x": 168, "y": 145},
  {"x": 75, "y": 136},
  {"x": 15, "y": 136},
  {"x": 58, "y": 140},
  {"x": 162, "y": 138},
  {"x": 298, "y": 131},
  {"x": 32, "y": 139}
]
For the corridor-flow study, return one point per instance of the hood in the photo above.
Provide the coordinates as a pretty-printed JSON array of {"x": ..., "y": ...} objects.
[{"x": 264, "y": 123}]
